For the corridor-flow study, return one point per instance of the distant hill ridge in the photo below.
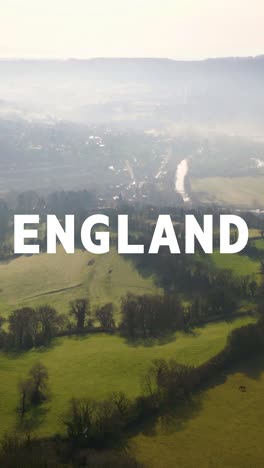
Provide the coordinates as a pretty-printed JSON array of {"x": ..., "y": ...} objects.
[{"x": 216, "y": 90}]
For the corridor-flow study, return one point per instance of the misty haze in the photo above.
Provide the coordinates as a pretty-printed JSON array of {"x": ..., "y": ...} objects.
[
  {"x": 131, "y": 234},
  {"x": 122, "y": 127}
]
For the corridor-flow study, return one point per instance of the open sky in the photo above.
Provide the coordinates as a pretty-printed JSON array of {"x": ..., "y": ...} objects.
[{"x": 183, "y": 29}]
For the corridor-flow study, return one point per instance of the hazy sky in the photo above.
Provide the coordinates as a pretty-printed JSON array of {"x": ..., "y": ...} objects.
[{"x": 151, "y": 28}]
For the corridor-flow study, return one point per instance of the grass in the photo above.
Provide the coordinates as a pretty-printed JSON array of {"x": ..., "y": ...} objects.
[
  {"x": 240, "y": 265},
  {"x": 245, "y": 192},
  {"x": 57, "y": 279},
  {"x": 254, "y": 233},
  {"x": 259, "y": 244},
  {"x": 97, "y": 365},
  {"x": 222, "y": 428}
]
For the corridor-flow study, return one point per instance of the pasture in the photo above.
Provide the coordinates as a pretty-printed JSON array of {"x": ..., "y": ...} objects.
[
  {"x": 243, "y": 192},
  {"x": 96, "y": 365},
  {"x": 240, "y": 265},
  {"x": 59, "y": 278},
  {"x": 221, "y": 427}
]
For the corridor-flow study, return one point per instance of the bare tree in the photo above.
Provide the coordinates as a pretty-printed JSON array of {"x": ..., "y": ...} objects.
[
  {"x": 50, "y": 322},
  {"x": 79, "y": 419},
  {"x": 39, "y": 376},
  {"x": 25, "y": 391},
  {"x": 105, "y": 316},
  {"x": 80, "y": 309},
  {"x": 23, "y": 327}
]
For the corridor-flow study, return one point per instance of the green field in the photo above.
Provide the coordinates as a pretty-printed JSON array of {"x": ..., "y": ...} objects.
[
  {"x": 254, "y": 233},
  {"x": 247, "y": 192},
  {"x": 259, "y": 243},
  {"x": 57, "y": 279},
  {"x": 223, "y": 427},
  {"x": 97, "y": 365},
  {"x": 239, "y": 264}
]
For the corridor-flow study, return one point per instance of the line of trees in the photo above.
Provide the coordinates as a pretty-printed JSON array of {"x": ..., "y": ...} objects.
[
  {"x": 146, "y": 316},
  {"x": 90, "y": 424},
  {"x": 23, "y": 451},
  {"x": 150, "y": 316},
  {"x": 141, "y": 316},
  {"x": 197, "y": 275},
  {"x": 26, "y": 327},
  {"x": 165, "y": 385}
]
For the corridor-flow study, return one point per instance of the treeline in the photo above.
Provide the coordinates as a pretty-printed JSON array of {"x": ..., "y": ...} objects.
[
  {"x": 84, "y": 203},
  {"x": 146, "y": 316},
  {"x": 27, "y": 327},
  {"x": 141, "y": 317},
  {"x": 150, "y": 316},
  {"x": 165, "y": 385},
  {"x": 92, "y": 425},
  {"x": 218, "y": 291},
  {"x": 155, "y": 315},
  {"x": 23, "y": 451}
]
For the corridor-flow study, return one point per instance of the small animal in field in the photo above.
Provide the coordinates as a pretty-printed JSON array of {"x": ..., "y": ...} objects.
[
  {"x": 109, "y": 272},
  {"x": 243, "y": 388}
]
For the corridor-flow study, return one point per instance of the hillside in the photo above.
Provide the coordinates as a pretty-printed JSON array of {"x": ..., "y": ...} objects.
[
  {"x": 137, "y": 91},
  {"x": 222, "y": 427},
  {"x": 58, "y": 279},
  {"x": 94, "y": 366}
]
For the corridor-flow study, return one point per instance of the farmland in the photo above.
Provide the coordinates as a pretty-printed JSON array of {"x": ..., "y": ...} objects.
[
  {"x": 222, "y": 427},
  {"x": 57, "y": 279},
  {"x": 96, "y": 365},
  {"x": 244, "y": 192}
]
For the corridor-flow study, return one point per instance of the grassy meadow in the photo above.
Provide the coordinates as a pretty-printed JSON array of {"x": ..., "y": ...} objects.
[
  {"x": 59, "y": 278},
  {"x": 221, "y": 428},
  {"x": 259, "y": 243},
  {"x": 246, "y": 192},
  {"x": 209, "y": 433},
  {"x": 97, "y": 365},
  {"x": 240, "y": 265}
]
